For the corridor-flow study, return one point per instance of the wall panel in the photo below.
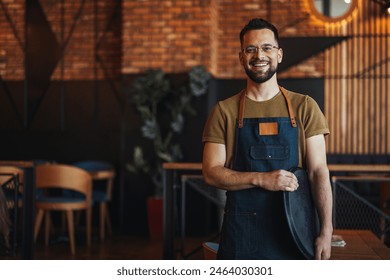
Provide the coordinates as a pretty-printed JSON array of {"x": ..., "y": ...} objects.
[{"x": 357, "y": 79}]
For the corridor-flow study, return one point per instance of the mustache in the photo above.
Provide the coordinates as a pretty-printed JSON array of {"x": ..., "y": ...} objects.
[{"x": 254, "y": 61}]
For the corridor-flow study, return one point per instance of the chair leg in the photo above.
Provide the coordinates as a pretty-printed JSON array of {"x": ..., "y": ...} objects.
[
  {"x": 47, "y": 227},
  {"x": 69, "y": 215},
  {"x": 38, "y": 222},
  {"x": 102, "y": 215},
  {"x": 88, "y": 217}
]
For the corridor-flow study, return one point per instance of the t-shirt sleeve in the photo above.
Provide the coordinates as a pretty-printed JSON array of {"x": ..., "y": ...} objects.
[
  {"x": 314, "y": 120},
  {"x": 215, "y": 127}
]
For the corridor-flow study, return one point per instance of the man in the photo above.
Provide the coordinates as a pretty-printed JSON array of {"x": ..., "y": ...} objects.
[{"x": 251, "y": 140}]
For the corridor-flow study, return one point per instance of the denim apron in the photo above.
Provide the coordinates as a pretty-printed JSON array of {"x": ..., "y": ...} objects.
[{"x": 255, "y": 224}]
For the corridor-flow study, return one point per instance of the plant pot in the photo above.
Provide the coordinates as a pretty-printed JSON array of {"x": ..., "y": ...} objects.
[{"x": 155, "y": 217}]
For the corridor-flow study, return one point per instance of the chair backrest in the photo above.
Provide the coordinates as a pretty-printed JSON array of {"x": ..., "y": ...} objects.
[{"x": 64, "y": 177}]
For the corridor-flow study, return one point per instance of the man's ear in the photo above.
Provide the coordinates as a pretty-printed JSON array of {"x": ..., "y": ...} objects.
[
  {"x": 240, "y": 57},
  {"x": 280, "y": 55}
]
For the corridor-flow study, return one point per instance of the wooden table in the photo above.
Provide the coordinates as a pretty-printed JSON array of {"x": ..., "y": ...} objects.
[
  {"x": 169, "y": 169},
  {"x": 108, "y": 175},
  {"x": 361, "y": 245}
]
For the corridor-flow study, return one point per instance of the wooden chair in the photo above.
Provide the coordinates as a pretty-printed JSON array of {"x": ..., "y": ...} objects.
[
  {"x": 60, "y": 177},
  {"x": 103, "y": 175}
]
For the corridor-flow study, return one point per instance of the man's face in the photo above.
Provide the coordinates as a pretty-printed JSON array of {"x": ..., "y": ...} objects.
[{"x": 260, "y": 55}]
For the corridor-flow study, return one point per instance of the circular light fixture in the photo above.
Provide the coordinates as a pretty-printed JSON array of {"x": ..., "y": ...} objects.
[{"x": 333, "y": 11}]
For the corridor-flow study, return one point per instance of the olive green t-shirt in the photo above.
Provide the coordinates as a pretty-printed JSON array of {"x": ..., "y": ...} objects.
[{"x": 221, "y": 124}]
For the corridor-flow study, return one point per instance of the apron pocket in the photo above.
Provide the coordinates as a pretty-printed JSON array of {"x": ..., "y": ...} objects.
[
  {"x": 236, "y": 226},
  {"x": 268, "y": 155}
]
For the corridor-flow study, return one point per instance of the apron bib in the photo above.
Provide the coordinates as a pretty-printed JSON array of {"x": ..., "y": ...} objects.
[{"x": 255, "y": 224}]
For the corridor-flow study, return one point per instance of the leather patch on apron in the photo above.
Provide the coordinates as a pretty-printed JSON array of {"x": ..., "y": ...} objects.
[{"x": 270, "y": 128}]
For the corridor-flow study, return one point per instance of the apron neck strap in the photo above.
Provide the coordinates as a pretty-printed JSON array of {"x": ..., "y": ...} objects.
[
  {"x": 290, "y": 110},
  {"x": 242, "y": 107}
]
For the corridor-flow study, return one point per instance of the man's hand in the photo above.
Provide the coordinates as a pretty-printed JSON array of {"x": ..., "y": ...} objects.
[
  {"x": 278, "y": 180},
  {"x": 323, "y": 247}
]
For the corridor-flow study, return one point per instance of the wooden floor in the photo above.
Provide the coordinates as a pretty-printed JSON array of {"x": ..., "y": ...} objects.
[
  {"x": 116, "y": 247},
  {"x": 361, "y": 245}
]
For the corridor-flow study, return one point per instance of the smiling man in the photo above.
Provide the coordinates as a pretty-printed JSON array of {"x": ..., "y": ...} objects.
[{"x": 251, "y": 141}]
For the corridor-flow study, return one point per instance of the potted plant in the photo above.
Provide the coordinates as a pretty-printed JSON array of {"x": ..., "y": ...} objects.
[{"x": 162, "y": 107}]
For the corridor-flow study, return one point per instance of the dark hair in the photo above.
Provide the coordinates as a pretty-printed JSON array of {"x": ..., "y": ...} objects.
[{"x": 259, "y": 23}]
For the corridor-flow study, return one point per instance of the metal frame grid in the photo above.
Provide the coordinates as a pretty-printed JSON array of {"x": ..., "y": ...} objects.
[
  {"x": 214, "y": 195},
  {"x": 352, "y": 210},
  {"x": 10, "y": 189}
]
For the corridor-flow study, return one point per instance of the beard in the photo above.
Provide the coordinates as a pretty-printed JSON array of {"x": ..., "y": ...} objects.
[{"x": 260, "y": 77}]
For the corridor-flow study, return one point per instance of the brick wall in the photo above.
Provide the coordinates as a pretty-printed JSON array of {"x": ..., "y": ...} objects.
[
  {"x": 175, "y": 35},
  {"x": 171, "y": 35},
  {"x": 11, "y": 45},
  {"x": 92, "y": 35},
  {"x": 88, "y": 30}
]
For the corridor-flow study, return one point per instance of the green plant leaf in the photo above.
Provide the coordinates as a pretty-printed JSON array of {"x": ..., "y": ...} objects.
[{"x": 163, "y": 109}]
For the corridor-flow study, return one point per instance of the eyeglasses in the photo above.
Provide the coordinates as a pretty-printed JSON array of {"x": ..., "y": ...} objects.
[{"x": 266, "y": 48}]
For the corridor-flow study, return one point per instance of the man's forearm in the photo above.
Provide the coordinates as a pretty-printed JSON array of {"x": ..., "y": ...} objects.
[
  {"x": 322, "y": 195},
  {"x": 228, "y": 179}
]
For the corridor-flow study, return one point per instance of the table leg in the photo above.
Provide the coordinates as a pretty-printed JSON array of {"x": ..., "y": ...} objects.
[
  {"x": 168, "y": 216},
  {"x": 28, "y": 213}
]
